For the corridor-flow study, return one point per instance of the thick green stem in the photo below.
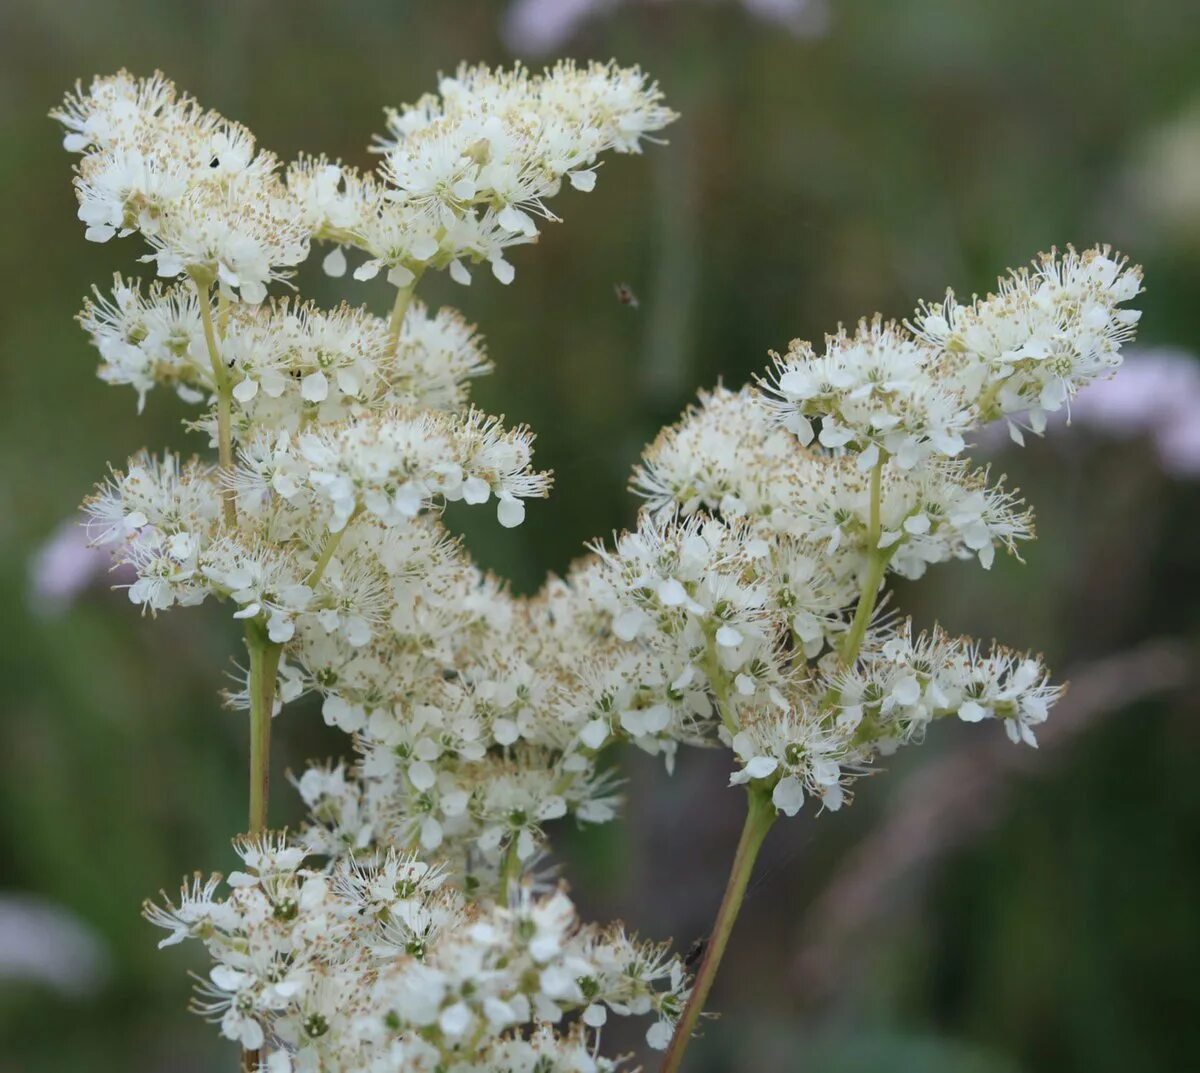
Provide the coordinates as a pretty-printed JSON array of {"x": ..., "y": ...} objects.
[
  {"x": 264, "y": 665},
  {"x": 224, "y": 392},
  {"x": 759, "y": 818}
]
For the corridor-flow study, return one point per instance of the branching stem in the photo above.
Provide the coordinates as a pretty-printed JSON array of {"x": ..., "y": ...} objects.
[{"x": 264, "y": 665}]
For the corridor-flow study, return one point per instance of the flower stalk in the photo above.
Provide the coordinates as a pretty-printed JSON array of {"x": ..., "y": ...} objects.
[
  {"x": 877, "y": 560},
  {"x": 400, "y": 306},
  {"x": 760, "y": 815},
  {"x": 264, "y": 665},
  {"x": 224, "y": 392}
]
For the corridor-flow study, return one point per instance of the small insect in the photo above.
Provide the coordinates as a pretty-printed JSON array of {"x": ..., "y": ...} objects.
[
  {"x": 695, "y": 954},
  {"x": 625, "y": 295}
]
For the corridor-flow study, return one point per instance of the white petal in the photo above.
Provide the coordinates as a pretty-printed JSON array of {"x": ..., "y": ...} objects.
[
  {"x": 245, "y": 390},
  {"x": 475, "y": 490},
  {"x": 788, "y": 795},
  {"x": 399, "y": 276},
  {"x": 728, "y": 637},
  {"x": 582, "y": 180},
  {"x": 502, "y": 270},
  {"x": 335, "y": 263},
  {"x": 510, "y": 512},
  {"x": 314, "y": 387},
  {"x": 761, "y": 766},
  {"x": 658, "y": 1035}
]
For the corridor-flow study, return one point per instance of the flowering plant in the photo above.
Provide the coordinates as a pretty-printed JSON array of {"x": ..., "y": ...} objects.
[{"x": 412, "y": 924}]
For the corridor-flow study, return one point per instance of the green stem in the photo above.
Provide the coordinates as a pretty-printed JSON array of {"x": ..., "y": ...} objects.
[
  {"x": 509, "y": 869},
  {"x": 332, "y": 540},
  {"x": 759, "y": 818},
  {"x": 264, "y": 665},
  {"x": 716, "y": 679},
  {"x": 224, "y": 400},
  {"x": 399, "y": 309},
  {"x": 877, "y": 560}
]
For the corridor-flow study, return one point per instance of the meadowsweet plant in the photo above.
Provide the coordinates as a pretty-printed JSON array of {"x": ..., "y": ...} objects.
[{"x": 412, "y": 924}]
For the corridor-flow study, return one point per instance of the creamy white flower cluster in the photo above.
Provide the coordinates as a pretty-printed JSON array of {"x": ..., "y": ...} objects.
[
  {"x": 209, "y": 202},
  {"x": 291, "y": 363},
  {"x": 388, "y": 966},
  {"x": 745, "y": 608},
  {"x": 915, "y": 392},
  {"x": 466, "y": 173},
  {"x": 339, "y": 436},
  {"x": 743, "y": 611}
]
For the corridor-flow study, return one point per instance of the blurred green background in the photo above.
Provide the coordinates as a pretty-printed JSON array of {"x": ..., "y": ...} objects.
[{"x": 972, "y": 913}]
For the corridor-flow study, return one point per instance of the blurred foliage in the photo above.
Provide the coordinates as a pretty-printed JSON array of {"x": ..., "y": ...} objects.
[{"x": 918, "y": 144}]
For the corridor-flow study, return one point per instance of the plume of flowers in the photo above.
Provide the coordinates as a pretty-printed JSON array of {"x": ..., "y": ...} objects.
[
  {"x": 410, "y": 923},
  {"x": 339, "y": 436},
  {"x": 388, "y": 965}
]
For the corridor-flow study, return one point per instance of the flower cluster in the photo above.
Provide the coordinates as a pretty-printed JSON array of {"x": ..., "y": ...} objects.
[
  {"x": 466, "y": 173},
  {"x": 748, "y": 597},
  {"x": 912, "y": 393},
  {"x": 742, "y": 611},
  {"x": 339, "y": 436},
  {"x": 388, "y": 966}
]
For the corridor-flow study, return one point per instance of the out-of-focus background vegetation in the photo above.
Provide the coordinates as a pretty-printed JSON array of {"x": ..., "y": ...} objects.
[{"x": 971, "y": 913}]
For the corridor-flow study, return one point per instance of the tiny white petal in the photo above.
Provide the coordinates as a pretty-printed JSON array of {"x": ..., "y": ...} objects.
[{"x": 334, "y": 263}]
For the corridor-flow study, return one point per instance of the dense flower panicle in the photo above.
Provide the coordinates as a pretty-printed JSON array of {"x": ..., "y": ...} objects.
[
  {"x": 913, "y": 393},
  {"x": 1047, "y": 331},
  {"x": 944, "y": 510},
  {"x": 756, "y": 567},
  {"x": 394, "y": 464},
  {"x": 149, "y": 338},
  {"x": 743, "y": 611},
  {"x": 466, "y": 174},
  {"x": 241, "y": 235},
  {"x": 840, "y": 722},
  {"x": 874, "y": 391},
  {"x": 388, "y": 966},
  {"x": 726, "y": 456},
  {"x": 209, "y": 203},
  {"x": 291, "y": 363},
  {"x": 906, "y": 682}
]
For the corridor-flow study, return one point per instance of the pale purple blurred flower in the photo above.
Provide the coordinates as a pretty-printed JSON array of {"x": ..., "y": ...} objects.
[
  {"x": 63, "y": 567},
  {"x": 44, "y": 944},
  {"x": 1156, "y": 394},
  {"x": 537, "y": 27}
]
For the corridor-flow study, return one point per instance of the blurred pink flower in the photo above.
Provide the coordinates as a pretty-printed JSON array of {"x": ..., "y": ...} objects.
[
  {"x": 64, "y": 567},
  {"x": 1156, "y": 394},
  {"x": 537, "y": 27},
  {"x": 45, "y": 944}
]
